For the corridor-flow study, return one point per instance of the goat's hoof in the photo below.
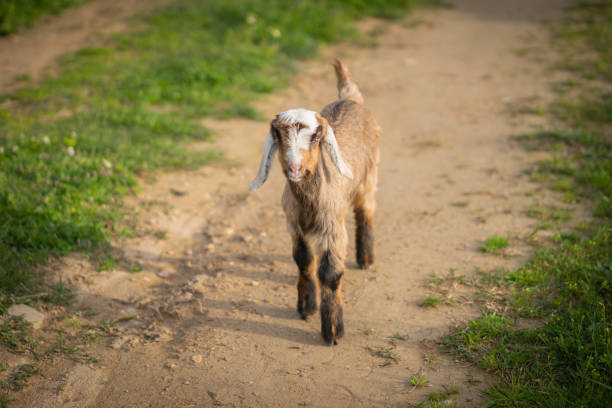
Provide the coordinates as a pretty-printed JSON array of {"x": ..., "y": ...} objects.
[
  {"x": 365, "y": 258},
  {"x": 365, "y": 262},
  {"x": 306, "y": 313},
  {"x": 330, "y": 338},
  {"x": 332, "y": 327},
  {"x": 306, "y": 307}
]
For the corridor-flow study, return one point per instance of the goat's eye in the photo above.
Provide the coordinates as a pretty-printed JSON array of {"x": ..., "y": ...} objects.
[{"x": 275, "y": 134}]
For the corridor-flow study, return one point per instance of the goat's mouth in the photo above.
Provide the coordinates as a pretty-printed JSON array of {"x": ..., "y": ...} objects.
[{"x": 295, "y": 179}]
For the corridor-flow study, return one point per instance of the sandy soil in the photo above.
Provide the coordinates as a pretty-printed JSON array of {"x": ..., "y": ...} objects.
[{"x": 216, "y": 295}]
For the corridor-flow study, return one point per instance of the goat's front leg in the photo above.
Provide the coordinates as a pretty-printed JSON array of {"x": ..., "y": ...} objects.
[
  {"x": 331, "y": 269},
  {"x": 307, "y": 288}
]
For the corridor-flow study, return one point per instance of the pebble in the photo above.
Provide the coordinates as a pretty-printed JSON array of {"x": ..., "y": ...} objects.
[
  {"x": 184, "y": 298},
  {"x": 30, "y": 315},
  {"x": 196, "y": 358}
]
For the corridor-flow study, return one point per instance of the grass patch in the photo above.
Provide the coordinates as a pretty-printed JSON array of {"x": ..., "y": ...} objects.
[
  {"x": 15, "y": 334},
  {"x": 567, "y": 361},
  {"x": 550, "y": 216},
  {"x": 494, "y": 244},
  {"x": 16, "y": 14},
  {"x": 431, "y": 301},
  {"x": 441, "y": 399},
  {"x": 385, "y": 353},
  {"x": 73, "y": 145},
  {"x": 418, "y": 381},
  {"x": 564, "y": 357}
]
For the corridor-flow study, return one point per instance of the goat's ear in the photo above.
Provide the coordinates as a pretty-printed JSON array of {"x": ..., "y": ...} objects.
[
  {"x": 266, "y": 161},
  {"x": 331, "y": 145}
]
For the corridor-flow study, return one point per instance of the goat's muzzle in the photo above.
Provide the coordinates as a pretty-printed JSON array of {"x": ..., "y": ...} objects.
[{"x": 295, "y": 174}]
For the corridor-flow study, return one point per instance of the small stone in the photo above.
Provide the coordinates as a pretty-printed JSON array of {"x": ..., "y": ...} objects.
[
  {"x": 171, "y": 366},
  {"x": 229, "y": 231},
  {"x": 196, "y": 358},
  {"x": 30, "y": 315},
  {"x": 164, "y": 274},
  {"x": 178, "y": 193},
  {"x": 254, "y": 283}
]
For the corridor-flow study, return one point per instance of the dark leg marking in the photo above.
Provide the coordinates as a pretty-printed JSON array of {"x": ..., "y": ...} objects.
[
  {"x": 307, "y": 289},
  {"x": 364, "y": 238},
  {"x": 332, "y": 324}
]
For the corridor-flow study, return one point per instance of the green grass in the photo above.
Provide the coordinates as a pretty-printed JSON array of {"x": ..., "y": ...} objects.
[
  {"x": 16, "y": 14},
  {"x": 74, "y": 144},
  {"x": 584, "y": 38},
  {"x": 431, "y": 301},
  {"x": 441, "y": 399},
  {"x": 418, "y": 381},
  {"x": 564, "y": 362},
  {"x": 563, "y": 358},
  {"x": 494, "y": 244}
]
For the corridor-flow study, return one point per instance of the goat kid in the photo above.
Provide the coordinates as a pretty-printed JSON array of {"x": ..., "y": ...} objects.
[{"x": 330, "y": 162}]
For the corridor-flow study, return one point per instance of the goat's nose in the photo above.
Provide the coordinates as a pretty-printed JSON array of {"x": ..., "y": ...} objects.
[{"x": 294, "y": 169}]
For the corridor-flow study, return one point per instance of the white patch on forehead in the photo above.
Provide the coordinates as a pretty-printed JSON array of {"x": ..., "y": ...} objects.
[
  {"x": 307, "y": 117},
  {"x": 299, "y": 141}
]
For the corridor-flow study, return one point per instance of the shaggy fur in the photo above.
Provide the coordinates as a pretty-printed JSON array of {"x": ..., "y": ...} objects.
[{"x": 330, "y": 161}]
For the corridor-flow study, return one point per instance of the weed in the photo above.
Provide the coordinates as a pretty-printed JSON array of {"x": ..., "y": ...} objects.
[
  {"x": 160, "y": 234},
  {"x": 431, "y": 301},
  {"x": 443, "y": 395},
  {"x": 472, "y": 380},
  {"x": 418, "y": 381},
  {"x": 59, "y": 294},
  {"x": 15, "y": 333},
  {"x": 494, "y": 244},
  {"x": 549, "y": 216},
  {"x": 398, "y": 336},
  {"x": 385, "y": 353},
  {"x": 367, "y": 332},
  {"x": 20, "y": 376}
]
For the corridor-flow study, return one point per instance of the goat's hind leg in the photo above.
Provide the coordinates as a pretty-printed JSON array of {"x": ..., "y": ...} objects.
[
  {"x": 307, "y": 288},
  {"x": 364, "y": 206}
]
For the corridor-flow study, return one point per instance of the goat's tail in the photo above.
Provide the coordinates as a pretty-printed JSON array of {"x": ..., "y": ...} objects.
[{"x": 347, "y": 88}]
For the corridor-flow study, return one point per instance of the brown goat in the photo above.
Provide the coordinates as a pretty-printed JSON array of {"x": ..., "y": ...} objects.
[{"x": 317, "y": 194}]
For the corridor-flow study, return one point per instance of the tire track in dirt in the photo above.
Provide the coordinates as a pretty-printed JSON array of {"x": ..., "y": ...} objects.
[{"x": 215, "y": 296}]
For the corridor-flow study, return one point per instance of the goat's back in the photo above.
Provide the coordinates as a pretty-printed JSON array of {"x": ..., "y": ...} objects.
[{"x": 357, "y": 133}]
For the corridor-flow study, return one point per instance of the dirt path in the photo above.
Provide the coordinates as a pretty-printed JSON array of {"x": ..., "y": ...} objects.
[
  {"x": 215, "y": 298},
  {"x": 34, "y": 51}
]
